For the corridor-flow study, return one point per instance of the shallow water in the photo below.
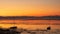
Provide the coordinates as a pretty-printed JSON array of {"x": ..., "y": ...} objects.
[{"x": 30, "y": 24}]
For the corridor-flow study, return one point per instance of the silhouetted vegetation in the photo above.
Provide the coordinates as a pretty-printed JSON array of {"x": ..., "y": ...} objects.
[
  {"x": 30, "y": 17},
  {"x": 11, "y": 30}
]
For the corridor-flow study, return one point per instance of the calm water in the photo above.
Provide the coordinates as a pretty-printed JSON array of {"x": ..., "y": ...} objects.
[{"x": 31, "y": 24}]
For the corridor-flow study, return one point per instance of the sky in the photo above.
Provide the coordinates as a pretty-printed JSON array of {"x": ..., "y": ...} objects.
[{"x": 29, "y": 7}]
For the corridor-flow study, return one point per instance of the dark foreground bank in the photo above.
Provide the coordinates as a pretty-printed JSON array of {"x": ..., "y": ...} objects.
[{"x": 15, "y": 30}]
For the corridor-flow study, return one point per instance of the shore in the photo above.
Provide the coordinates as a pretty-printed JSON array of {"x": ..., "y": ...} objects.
[{"x": 15, "y": 30}]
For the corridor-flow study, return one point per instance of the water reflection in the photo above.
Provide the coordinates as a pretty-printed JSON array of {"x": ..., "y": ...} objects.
[{"x": 29, "y": 27}]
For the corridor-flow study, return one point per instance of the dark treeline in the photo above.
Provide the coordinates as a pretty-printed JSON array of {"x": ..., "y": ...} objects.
[{"x": 30, "y": 18}]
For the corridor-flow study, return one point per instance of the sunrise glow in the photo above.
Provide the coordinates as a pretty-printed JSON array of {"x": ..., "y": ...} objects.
[{"x": 29, "y": 7}]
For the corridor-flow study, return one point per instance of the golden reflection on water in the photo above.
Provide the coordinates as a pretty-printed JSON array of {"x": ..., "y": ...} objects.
[
  {"x": 24, "y": 26},
  {"x": 30, "y": 24}
]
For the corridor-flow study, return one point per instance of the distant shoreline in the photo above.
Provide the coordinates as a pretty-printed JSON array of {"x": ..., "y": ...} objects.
[{"x": 30, "y": 18}]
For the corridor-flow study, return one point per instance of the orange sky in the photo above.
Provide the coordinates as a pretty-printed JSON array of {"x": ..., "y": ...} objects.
[{"x": 29, "y": 7}]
